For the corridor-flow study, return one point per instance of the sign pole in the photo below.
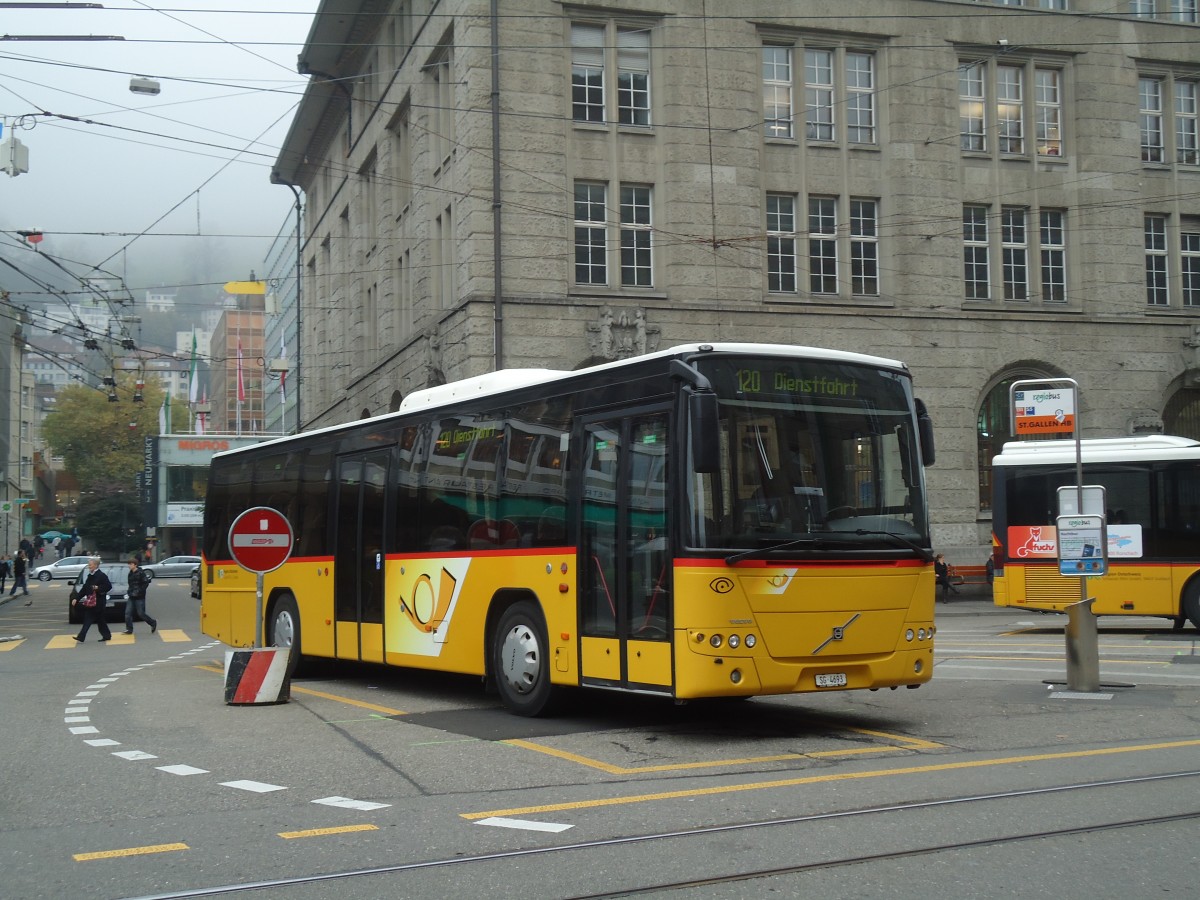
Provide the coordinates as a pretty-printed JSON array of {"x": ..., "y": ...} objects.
[
  {"x": 1048, "y": 406},
  {"x": 260, "y": 541}
]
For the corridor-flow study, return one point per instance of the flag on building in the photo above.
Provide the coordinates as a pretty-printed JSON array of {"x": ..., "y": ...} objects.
[
  {"x": 164, "y": 414},
  {"x": 192, "y": 387},
  {"x": 201, "y": 418},
  {"x": 283, "y": 374}
]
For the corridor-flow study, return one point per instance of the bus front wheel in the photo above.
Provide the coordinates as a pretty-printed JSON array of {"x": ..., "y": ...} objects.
[
  {"x": 285, "y": 630},
  {"x": 1191, "y": 603},
  {"x": 520, "y": 661}
]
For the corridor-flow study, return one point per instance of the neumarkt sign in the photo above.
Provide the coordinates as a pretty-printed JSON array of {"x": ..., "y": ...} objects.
[{"x": 1044, "y": 410}]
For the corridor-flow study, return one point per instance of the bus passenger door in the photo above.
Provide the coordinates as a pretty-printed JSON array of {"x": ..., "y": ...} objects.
[
  {"x": 359, "y": 563},
  {"x": 625, "y": 563}
]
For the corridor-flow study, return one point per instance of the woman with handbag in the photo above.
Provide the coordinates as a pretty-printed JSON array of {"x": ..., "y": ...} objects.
[{"x": 92, "y": 598}]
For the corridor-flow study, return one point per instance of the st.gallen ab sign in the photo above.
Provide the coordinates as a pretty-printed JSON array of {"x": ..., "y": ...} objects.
[{"x": 1044, "y": 410}]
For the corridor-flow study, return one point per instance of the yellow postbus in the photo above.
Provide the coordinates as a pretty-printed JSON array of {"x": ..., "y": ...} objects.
[
  {"x": 710, "y": 520},
  {"x": 1152, "y": 494}
]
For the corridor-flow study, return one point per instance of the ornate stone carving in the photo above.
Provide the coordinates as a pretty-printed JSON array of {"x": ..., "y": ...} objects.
[{"x": 622, "y": 334}]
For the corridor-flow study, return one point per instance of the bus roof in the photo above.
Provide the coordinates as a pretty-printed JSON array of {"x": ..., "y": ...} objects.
[
  {"x": 1123, "y": 449},
  {"x": 511, "y": 379}
]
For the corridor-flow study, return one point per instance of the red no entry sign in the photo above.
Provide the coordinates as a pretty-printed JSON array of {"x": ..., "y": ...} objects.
[{"x": 260, "y": 539}]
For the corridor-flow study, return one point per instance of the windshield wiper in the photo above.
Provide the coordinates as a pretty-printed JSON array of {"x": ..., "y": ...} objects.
[
  {"x": 817, "y": 543},
  {"x": 786, "y": 545},
  {"x": 924, "y": 553}
]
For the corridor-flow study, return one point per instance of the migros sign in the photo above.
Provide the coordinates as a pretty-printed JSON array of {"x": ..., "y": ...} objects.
[{"x": 213, "y": 446}]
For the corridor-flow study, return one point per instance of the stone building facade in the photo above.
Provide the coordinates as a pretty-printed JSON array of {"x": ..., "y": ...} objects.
[{"x": 988, "y": 191}]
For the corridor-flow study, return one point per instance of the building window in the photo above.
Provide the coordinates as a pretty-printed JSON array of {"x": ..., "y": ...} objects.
[
  {"x": 975, "y": 253},
  {"x": 822, "y": 245},
  {"x": 860, "y": 98},
  {"x": 1151, "y": 118},
  {"x": 636, "y": 257},
  {"x": 633, "y": 76},
  {"x": 1186, "y": 146},
  {"x": 777, "y": 91},
  {"x": 1054, "y": 256},
  {"x": 972, "y": 108},
  {"x": 587, "y": 73},
  {"x": 1143, "y": 8},
  {"x": 781, "y": 243},
  {"x": 1156, "y": 260},
  {"x": 1048, "y": 112},
  {"x": 824, "y": 93},
  {"x": 864, "y": 248},
  {"x": 1010, "y": 105},
  {"x": 818, "y": 95},
  {"x": 1189, "y": 262},
  {"x": 589, "y": 62},
  {"x": 1014, "y": 253},
  {"x": 1014, "y": 117},
  {"x": 401, "y": 179},
  {"x": 634, "y": 238},
  {"x": 1167, "y": 109},
  {"x": 591, "y": 266},
  {"x": 1183, "y": 10}
]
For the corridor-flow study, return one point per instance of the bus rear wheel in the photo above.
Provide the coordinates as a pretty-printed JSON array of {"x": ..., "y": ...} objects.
[
  {"x": 285, "y": 630},
  {"x": 520, "y": 660},
  {"x": 1191, "y": 603}
]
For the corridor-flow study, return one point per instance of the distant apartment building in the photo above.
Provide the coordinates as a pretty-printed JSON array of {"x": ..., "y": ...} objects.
[{"x": 988, "y": 191}]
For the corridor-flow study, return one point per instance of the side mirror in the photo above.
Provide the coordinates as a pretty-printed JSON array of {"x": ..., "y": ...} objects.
[
  {"x": 704, "y": 423},
  {"x": 925, "y": 434}
]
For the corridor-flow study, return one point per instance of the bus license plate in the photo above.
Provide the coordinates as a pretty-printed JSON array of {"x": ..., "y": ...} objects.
[{"x": 833, "y": 679}]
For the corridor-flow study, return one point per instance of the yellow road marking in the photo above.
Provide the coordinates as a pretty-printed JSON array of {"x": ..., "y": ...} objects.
[
  {"x": 61, "y": 642},
  {"x": 819, "y": 779},
  {"x": 130, "y": 851},
  {"x": 173, "y": 635},
  {"x": 119, "y": 638},
  {"x": 321, "y": 832},
  {"x": 1115, "y": 662},
  {"x": 347, "y": 700},
  {"x": 8, "y": 645},
  {"x": 903, "y": 743},
  {"x": 387, "y": 711}
]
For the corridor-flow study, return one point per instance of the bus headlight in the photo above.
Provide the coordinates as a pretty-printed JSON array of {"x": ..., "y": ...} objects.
[
  {"x": 908, "y": 635},
  {"x": 715, "y": 640},
  {"x": 751, "y": 640},
  {"x": 734, "y": 642}
]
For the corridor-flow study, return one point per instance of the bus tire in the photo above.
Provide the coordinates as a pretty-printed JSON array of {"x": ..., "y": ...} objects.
[
  {"x": 520, "y": 660},
  {"x": 1191, "y": 603},
  {"x": 285, "y": 630}
]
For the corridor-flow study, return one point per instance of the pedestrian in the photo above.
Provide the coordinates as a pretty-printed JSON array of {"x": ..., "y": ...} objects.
[
  {"x": 5, "y": 571},
  {"x": 942, "y": 570},
  {"x": 135, "y": 600},
  {"x": 20, "y": 568},
  {"x": 91, "y": 595}
]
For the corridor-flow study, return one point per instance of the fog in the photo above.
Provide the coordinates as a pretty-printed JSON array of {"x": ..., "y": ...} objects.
[{"x": 166, "y": 189}]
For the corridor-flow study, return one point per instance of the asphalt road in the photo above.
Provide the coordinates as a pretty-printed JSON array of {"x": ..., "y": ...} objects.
[{"x": 126, "y": 775}]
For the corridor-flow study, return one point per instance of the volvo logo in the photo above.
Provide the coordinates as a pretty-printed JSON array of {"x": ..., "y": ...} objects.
[
  {"x": 721, "y": 585},
  {"x": 837, "y": 634}
]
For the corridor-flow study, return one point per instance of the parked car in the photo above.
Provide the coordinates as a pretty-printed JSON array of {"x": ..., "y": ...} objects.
[
  {"x": 118, "y": 574},
  {"x": 67, "y": 567},
  {"x": 196, "y": 583},
  {"x": 173, "y": 567}
]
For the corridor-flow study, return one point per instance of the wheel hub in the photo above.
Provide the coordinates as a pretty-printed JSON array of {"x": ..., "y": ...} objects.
[{"x": 520, "y": 661}]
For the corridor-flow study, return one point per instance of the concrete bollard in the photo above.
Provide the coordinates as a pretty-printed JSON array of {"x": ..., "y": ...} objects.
[{"x": 257, "y": 676}]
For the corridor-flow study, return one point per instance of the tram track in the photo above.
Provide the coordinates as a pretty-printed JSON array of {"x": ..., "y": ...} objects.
[{"x": 736, "y": 827}]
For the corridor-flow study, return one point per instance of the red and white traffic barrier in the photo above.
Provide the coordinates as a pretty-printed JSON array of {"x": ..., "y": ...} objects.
[{"x": 257, "y": 676}]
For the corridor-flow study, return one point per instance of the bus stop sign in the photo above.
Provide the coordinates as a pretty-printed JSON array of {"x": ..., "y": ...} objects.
[{"x": 260, "y": 539}]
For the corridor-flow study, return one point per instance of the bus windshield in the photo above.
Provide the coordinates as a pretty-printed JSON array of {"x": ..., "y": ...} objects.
[{"x": 815, "y": 455}]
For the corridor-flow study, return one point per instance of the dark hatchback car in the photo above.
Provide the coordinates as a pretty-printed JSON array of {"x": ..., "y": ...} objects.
[{"x": 118, "y": 574}]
